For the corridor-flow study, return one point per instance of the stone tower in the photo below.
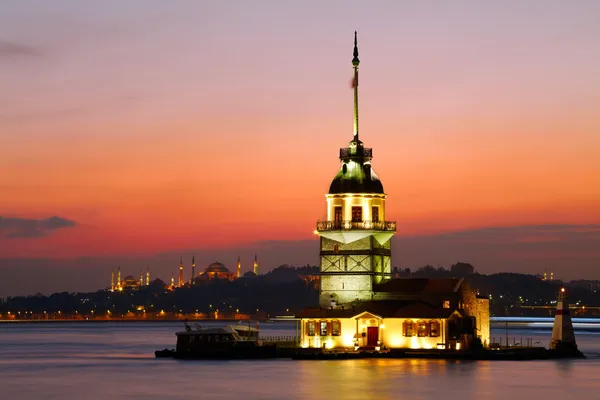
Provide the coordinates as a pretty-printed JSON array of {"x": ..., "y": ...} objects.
[{"x": 355, "y": 237}]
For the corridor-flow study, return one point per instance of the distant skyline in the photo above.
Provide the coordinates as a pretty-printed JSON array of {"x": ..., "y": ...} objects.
[{"x": 131, "y": 130}]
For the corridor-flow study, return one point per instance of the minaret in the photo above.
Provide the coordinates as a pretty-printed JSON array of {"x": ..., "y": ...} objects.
[
  {"x": 141, "y": 277},
  {"x": 112, "y": 280},
  {"x": 355, "y": 237},
  {"x": 563, "y": 337},
  {"x": 180, "y": 283},
  {"x": 239, "y": 268},
  {"x": 147, "y": 276},
  {"x": 192, "y": 281},
  {"x": 172, "y": 280},
  {"x": 255, "y": 265},
  {"x": 119, "y": 278}
]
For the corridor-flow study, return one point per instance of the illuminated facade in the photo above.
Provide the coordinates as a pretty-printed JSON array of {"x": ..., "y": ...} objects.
[
  {"x": 355, "y": 237},
  {"x": 361, "y": 305}
]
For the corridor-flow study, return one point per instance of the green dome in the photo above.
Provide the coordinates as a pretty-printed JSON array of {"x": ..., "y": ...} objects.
[
  {"x": 356, "y": 178},
  {"x": 356, "y": 174}
]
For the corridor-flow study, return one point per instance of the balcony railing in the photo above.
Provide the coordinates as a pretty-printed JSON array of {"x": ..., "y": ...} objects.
[
  {"x": 362, "y": 151},
  {"x": 356, "y": 225}
]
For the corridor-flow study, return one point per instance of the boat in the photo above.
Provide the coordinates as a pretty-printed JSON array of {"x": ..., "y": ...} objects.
[{"x": 219, "y": 343}]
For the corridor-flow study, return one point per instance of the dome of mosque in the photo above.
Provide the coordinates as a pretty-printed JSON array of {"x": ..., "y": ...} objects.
[{"x": 216, "y": 267}]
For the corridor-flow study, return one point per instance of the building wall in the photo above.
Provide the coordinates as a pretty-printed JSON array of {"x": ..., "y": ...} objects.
[
  {"x": 478, "y": 308},
  {"x": 347, "y": 201},
  {"x": 390, "y": 333},
  {"x": 393, "y": 335},
  {"x": 482, "y": 314},
  {"x": 344, "y": 288}
]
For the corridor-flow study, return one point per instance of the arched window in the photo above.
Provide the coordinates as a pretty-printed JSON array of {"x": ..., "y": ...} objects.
[
  {"x": 422, "y": 329},
  {"x": 336, "y": 328},
  {"x": 407, "y": 328},
  {"x": 434, "y": 328}
]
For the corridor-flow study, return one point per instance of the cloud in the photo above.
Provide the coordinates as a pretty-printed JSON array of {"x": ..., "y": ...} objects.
[
  {"x": 13, "y": 49},
  {"x": 23, "y": 228}
]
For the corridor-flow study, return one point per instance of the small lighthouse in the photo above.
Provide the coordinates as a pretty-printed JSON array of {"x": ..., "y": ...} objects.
[{"x": 563, "y": 337}]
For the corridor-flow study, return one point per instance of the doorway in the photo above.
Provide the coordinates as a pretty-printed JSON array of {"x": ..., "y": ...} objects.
[{"x": 372, "y": 336}]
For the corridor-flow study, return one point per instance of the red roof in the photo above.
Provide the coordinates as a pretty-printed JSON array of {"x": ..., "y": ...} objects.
[{"x": 384, "y": 309}]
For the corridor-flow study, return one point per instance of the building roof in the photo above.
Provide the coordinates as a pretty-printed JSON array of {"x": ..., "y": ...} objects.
[
  {"x": 356, "y": 174},
  {"x": 384, "y": 309},
  {"x": 420, "y": 285},
  {"x": 356, "y": 177},
  {"x": 216, "y": 267}
]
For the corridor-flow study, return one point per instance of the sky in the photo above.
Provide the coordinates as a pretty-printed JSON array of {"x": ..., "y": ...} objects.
[{"x": 135, "y": 132}]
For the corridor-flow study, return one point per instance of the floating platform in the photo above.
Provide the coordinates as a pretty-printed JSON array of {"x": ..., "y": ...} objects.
[
  {"x": 508, "y": 354},
  {"x": 504, "y": 354}
]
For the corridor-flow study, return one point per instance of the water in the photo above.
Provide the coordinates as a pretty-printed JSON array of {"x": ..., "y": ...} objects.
[{"x": 116, "y": 361}]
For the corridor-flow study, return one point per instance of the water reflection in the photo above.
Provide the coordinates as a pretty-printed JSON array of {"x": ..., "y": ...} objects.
[{"x": 115, "y": 361}]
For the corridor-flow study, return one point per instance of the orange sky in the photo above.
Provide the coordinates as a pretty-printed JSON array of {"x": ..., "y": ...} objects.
[{"x": 156, "y": 129}]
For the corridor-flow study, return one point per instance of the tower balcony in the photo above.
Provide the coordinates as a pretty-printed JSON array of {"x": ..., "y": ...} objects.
[{"x": 324, "y": 226}]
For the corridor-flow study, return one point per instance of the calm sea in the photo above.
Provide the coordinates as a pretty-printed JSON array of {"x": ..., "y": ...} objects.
[{"x": 116, "y": 361}]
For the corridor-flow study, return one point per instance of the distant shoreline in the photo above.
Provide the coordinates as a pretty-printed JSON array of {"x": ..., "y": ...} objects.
[{"x": 34, "y": 321}]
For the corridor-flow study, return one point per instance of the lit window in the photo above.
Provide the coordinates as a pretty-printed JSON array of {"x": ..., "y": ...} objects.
[
  {"x": 356, "y": 214},
  {"x": 408, "y": 328},
  {"x": 434, "y": 329},
  {"x": 323, "y": 328},
  {"x": 375, "y": 214},
  {"x": 423, "y": 329},
  {"x": 446, "y": 303},
  {"x": 335, "y": 328},
  {"x": 311, "y": 328}
]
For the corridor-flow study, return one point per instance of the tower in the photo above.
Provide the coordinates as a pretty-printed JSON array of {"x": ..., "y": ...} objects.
[
  {"x": 147, "y": 276},
  {"x": 172, "y": 280},
  {"x": 239, "y": 268},
  {"x": 141, "y": 277},
  {"x": 355, "y": 248},
  {"x": 119, "y": 278},
  {"x": 112, "y": 280},
  {"x": 255, "y": 265},
  {"x": 563, "y": 337},
  {"x": 180, "y": 282}
]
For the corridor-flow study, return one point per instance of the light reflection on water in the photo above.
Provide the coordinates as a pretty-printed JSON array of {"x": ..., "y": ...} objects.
[{"x": 115, "y": 360}]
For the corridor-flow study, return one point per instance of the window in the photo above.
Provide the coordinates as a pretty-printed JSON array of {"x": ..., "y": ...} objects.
[
  {"x": 356, "y": 214},
  {"x": 375, "y": 214},
  {"x": 408, "y": 328},
  {"x": 337, "y": 216},
  {"x": 423, "y": 329},
  {"x": 336, "y": 328},
  {"x": 311, "y": 328},
  {"x": 446, "y": 303},
  {"x": 434, "y": 328},
  {"x": 323, "y": 328}
]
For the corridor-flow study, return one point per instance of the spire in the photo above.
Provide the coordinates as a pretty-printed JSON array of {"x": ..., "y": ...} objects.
[
  {"x": 147, "y": 275},
  {"x": 255, "y": 265},
  {"x": 355, "y": 62},
  {"x": 239, "y": 268}
]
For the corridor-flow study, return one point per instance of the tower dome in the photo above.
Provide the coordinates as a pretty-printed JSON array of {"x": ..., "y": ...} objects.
[{"x": 356, "y": 174}]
